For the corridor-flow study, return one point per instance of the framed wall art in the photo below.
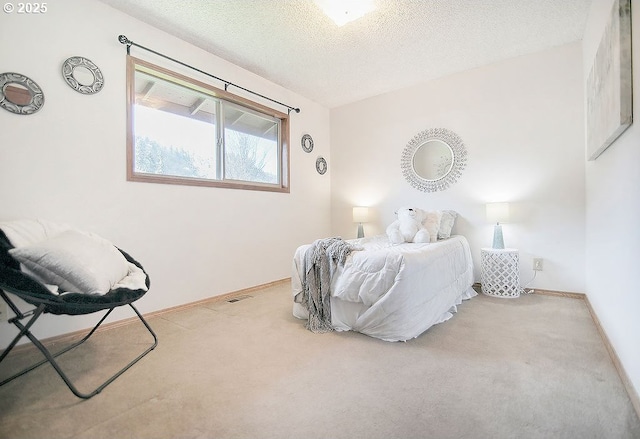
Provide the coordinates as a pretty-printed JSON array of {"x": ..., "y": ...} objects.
[{"x": 609, "y": 84}]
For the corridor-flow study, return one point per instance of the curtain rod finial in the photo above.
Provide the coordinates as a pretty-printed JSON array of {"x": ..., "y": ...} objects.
[
  {"x": 124, "y": 40},
  {"x": 297, "y": 110}
]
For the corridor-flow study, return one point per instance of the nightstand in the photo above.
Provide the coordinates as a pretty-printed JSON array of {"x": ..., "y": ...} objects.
[{"x": 500, "y": 272}]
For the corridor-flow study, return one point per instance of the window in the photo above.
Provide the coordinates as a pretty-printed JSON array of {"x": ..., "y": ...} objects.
[{"x": 182, "y": 131}]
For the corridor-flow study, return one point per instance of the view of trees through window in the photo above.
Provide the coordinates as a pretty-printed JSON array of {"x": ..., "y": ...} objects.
[
  {"x": 172, "y": 144},
  {"x": 158, "y": 150},
  {"x": 245, "y": 159},
  {"x": 250, "y": 158},
  {"x": 154, "y": 158}
]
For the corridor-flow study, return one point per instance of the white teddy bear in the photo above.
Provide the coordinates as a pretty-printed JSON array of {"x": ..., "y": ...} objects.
[{"x": 408, "y": 227}]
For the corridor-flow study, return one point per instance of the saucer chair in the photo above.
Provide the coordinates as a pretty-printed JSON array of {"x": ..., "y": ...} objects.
[{"x": 61, "y": 271}]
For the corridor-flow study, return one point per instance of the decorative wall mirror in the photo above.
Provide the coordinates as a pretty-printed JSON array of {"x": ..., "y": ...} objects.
[
  {"x": 82, "y": 75},
  {"x": 321, "y": 165},
  {"x": 434, "y": 159},
  {"x": 20, "y": 94},
  {"x": 307, "y": 143}
]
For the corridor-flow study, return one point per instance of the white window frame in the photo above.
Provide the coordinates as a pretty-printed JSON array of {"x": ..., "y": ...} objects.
[{"x": 247, "y": 105}]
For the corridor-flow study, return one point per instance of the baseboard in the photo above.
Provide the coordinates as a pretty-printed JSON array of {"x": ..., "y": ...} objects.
[
  {"x": 70, "y": 337},
  {"x": 622, "y": 373},
  {"x": 624, "y": 377},
  {"x": 215, "y": 299},
  {"x": 478, "y": 287},
  {"x": 568, "y": 294}
]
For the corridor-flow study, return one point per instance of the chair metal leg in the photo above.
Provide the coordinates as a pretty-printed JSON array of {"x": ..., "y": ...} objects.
[
  {"x": 23, "y": 329},
  {"x": 50, "y": 358}
]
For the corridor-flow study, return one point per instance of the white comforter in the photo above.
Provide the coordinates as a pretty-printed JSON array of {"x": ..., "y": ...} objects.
[{"x": 393, "y": 292}]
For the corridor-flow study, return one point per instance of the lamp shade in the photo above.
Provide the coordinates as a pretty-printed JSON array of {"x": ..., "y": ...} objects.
[
  {"x": 498, "y": 212},
  {"x": 360, "y": 214}
]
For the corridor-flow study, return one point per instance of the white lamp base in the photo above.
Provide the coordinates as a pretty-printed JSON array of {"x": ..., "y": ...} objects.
[
  {"x": 498, "y": 241},
  {"x": 360, "y": 231}
]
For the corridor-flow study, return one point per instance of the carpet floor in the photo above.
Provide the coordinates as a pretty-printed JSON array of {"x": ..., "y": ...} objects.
[{"x": 532, "y": 367}]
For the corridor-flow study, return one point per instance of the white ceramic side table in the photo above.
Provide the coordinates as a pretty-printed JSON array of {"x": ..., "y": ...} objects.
[{"x": 500, "y": 272}]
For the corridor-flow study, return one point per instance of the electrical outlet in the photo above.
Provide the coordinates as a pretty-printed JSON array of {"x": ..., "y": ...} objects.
[
  {"x": 4, "y": 316},
  {"x": 537, "y": 264}
]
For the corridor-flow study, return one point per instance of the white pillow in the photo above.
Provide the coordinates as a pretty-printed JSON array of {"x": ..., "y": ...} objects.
[
  {"x": 75, "y": 262},
  {"x": 446, "y": 224},
  {"x": 432, "y": 223},
  {"x": 29, "y": 231}
]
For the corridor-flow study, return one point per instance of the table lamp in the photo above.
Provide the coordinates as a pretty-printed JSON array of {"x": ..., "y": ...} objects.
[
  {"x": 498, "y": 213},
  {"x": 360, "y": 215}
]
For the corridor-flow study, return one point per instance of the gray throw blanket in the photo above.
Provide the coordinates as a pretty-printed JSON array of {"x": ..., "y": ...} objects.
[{"x": 320, "y": 260}]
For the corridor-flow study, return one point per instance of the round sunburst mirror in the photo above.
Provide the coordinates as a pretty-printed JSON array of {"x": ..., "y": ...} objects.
[{"x": 434, "y": 159}]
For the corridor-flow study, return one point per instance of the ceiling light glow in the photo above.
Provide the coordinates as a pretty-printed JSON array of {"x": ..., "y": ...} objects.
[{"x": 344, "y": 11}]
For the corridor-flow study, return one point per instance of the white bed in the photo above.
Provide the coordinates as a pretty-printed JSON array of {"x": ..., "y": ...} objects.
[{"x": 393, "y": 292}]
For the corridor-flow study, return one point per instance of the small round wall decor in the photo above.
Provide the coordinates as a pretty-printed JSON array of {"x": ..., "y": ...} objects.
[
  {"x": 82, "y": 75},
  {"x": 307, "y": 143},
  {"x": 321, "y": 165},
  {"x": 20, "y": 94}
]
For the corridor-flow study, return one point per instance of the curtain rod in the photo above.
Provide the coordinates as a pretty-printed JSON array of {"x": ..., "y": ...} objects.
[{"x": 124, "y": 40}]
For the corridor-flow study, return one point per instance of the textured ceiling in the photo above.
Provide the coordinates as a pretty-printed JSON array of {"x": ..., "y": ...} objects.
[{"x": 401, "y": 43}]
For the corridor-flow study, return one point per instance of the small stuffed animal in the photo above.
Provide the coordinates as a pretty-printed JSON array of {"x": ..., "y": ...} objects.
[{"x": 408, "y": 227}]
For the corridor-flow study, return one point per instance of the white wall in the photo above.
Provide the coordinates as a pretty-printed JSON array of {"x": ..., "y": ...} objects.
[
  {"x": 522, "y": 124},
  {"x": 67, "y": 163},
  {"x": 613, "y": 209}
]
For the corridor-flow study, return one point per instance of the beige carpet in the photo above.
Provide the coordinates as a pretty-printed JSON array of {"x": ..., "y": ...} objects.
[{"x": 533, "y": 367}]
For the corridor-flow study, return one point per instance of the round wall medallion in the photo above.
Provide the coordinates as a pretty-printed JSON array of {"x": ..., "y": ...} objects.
[
  {"x": 20, "y": 94},
  {"x": 82, "y": 75},
  {"x": 321, "y": 165},
  {"x": 307, "y": 143}
]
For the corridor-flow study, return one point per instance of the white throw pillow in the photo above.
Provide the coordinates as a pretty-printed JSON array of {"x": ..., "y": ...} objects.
[
  {"x": 446, "y": 224},
  {"x": 432, "y": 223},
  {"x": 75, "y": 262}
]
